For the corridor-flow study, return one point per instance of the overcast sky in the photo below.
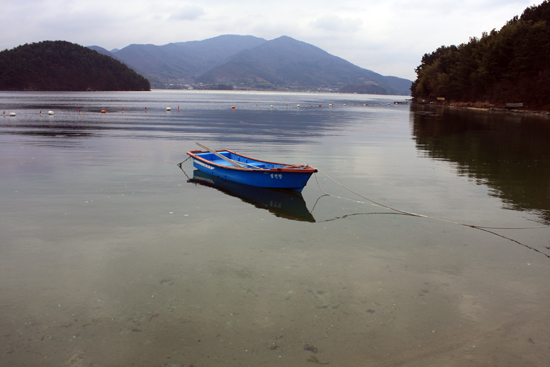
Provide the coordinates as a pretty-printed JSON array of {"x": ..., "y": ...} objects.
[{"x": 386, "y": 36}]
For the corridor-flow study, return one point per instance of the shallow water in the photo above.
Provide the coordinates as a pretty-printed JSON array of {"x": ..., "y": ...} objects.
[{"x": 110, "y": 257}]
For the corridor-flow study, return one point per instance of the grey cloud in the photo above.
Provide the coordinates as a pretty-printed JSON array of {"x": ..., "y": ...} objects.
[
  {"x": 189, "y": 12},
  {"x": 336, "y": 23}
]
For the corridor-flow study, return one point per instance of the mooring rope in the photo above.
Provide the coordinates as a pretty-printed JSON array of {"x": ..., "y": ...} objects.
[
  {"x": 411, "y": 213},
  {"x": 389, "y": 207},
  {"x": 179, "y": 164},
  {"x": 181, "y": 167}
]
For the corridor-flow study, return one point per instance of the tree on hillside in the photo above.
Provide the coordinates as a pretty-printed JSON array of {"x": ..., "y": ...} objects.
[
  {"x": 509, "y": 65},
  {"x": 64, "y": 66}
]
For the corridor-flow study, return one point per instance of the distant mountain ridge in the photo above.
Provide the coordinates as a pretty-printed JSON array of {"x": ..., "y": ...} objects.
[{"x": 249, "y": 62}]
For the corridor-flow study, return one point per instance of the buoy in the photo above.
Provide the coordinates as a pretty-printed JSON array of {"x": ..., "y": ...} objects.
[
  {"x": 103, "y": 111},
  {"x": 168, "y": 109},
  {"x": 319, "y": 105},
  {"x": 233, "y": 107},
  {"x": 50, "y": 113},
  {"x": 145, "y": 109},
  {"x": 122, "y": 109},
  {"x": 80, "y": 113},
  {"x": 178, "y": 108}
]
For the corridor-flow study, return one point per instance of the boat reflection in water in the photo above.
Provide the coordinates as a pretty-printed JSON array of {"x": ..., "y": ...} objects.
[{"x": 283, "y": 203}]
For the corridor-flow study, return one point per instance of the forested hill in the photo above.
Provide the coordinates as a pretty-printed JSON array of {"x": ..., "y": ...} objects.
[
  {"x": 511, "y": 65},
  {"x": 65, "y": 66}
]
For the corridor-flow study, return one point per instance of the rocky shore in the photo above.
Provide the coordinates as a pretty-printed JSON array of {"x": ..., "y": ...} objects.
[{"x": 486, "y": 106}]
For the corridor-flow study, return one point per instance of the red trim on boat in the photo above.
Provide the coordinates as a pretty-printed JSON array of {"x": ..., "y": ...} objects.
[{"x": 289, "y": 168}]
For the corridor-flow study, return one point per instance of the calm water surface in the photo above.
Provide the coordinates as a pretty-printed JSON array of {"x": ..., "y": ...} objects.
[{"x": 111, "y": 255}]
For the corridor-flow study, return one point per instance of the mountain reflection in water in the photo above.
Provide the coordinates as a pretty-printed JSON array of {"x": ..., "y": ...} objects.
[{"x": 282, "y": 203}]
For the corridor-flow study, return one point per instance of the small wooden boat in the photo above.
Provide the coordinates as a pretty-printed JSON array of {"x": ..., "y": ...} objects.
[{"x": 236, "y": 167}]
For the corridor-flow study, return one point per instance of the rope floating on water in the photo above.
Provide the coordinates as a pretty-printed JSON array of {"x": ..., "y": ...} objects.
[{"x": 411, "y": 213}]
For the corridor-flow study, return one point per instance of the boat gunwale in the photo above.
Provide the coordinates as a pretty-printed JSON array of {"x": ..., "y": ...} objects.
[{"x": 306, "y": 168}]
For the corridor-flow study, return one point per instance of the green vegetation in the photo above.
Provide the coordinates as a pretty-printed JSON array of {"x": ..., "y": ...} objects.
[
  {"x": 510, "y": 65},
  {"x": 64, "y": 66}
]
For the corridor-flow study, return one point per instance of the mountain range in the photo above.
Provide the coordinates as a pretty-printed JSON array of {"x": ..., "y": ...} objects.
[{"x": 248, "y": 62}]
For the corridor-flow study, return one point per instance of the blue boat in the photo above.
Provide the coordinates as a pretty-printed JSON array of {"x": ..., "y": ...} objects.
[{"x": 236, "y": 167}]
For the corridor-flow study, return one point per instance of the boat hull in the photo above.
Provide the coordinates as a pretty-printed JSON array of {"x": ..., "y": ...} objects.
[{"x": 253, "y": 172}]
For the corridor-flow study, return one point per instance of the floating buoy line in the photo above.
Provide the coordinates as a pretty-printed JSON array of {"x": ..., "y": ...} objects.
[{"x": 169, "y": 109}]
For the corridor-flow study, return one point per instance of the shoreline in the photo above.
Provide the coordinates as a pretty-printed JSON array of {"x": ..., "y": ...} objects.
[{"x": 486, "y": 107}]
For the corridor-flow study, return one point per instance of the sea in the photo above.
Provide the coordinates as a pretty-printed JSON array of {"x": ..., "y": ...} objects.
[{"x": 422, "y": 240}]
